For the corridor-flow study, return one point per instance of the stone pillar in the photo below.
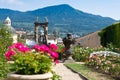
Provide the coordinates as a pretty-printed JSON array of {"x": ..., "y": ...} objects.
[
  {"x": 45, "y": 33},
  {"x": 46, "y": 30},
  {"x": 36, "y": 30}
]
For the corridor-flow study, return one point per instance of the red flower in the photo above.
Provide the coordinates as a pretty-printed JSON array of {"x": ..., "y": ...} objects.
[{"x": 63, "y": 49}]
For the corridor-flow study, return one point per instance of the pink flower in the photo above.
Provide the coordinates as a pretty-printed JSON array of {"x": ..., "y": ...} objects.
[
  {"x": 39, "y": 48},
  {"x": 19, "y": 46},
  {"x": 44, "y": 48},
  {"x": 12, "y": 46},
  {"x": 113, "y": 65},
  {"x": 9, "y": 54},
  {"x": 56, "y": 61},
  {"x": 24, "y": 49},
  {"x": 36, "y": 47},
  {"x": 54, "y": 54},
  {"x": 53, "y": 46}
]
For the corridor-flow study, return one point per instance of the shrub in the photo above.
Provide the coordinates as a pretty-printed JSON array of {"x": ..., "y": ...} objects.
[
  {"x": 60, "y": 51},
  {"x": 4, "y": 69},
  {"x": 32, "y": 63},
  {"x": 5, "y": 40},
  {"x": 111, "y": 35},
  {"x": 115, "y": 71},
  {"x": 81, "y": 54}
]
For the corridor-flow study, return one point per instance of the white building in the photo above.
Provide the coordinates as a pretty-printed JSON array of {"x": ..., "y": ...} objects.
[{"x": 11, "y": 29}]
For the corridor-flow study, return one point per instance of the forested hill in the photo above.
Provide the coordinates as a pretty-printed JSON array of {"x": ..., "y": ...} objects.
[{"x": 61, "y": 17}]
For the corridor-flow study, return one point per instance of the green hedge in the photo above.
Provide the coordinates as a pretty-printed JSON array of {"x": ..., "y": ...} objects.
[{"x": 111, "y": 35}]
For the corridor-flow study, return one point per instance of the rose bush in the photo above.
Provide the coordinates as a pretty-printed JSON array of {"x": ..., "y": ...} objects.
[{"x": 106, "y": 64}]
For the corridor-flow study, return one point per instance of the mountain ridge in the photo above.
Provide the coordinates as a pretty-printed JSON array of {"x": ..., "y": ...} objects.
[{"x": 78, "y": 21}]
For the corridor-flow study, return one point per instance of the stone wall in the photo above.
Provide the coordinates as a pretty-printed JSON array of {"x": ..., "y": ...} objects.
[{"x": 91, "y": 40}]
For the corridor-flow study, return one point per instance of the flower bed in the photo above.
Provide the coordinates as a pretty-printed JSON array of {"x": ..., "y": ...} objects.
[
  {"x": 108, "y": 63},
  {"x": 101, "y": 59}
]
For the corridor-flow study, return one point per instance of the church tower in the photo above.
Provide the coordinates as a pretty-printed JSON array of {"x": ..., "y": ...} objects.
[
  {"x": 11, "y": 29},
  {"x": 7, "y": 21},
  {"x": 9, "y": 26}
]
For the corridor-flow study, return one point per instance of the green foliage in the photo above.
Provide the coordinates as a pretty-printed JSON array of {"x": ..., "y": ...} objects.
[
  {"x": 56, "y": 76},
  {"x": 110, "y": 47},
  {"x": 111, "y": 34},
  {"x": 5, "y": 40},
  {"x": 5, "y": 68},
  {"x": 115, "y": 71},
  {"x": 32, "y": 63},
  {"x": 81, "y": 54},
  {"x": 60, "y": 52},
  {"x": 60, "y": 47},
  {"x": 21, "y": 40}
]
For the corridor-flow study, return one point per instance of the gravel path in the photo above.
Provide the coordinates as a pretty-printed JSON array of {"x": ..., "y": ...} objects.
[{"x": 66, "y": 73}]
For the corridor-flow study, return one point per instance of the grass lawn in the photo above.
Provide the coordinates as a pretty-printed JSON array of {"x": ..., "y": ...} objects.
[{"x": 88, "y": 72}]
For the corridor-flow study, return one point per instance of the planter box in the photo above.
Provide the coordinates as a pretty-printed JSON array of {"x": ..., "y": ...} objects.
[{"x": 14, "y": 76}]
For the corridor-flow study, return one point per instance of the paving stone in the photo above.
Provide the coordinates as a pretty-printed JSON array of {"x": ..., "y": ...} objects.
[{"x": 66, "y": 73}]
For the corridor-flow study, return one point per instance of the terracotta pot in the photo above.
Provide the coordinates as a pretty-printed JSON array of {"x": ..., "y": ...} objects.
[{"x": 14, "y": 76}]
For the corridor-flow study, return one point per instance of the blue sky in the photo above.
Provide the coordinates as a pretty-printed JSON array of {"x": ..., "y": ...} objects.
[{"x": 105, "y": 8}]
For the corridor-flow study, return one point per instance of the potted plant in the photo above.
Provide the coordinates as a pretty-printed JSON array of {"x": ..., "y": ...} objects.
[{"x": 32, "y": 64}]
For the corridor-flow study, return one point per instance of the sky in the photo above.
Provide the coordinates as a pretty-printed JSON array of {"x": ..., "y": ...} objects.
[{"x": 105, "y": 8}]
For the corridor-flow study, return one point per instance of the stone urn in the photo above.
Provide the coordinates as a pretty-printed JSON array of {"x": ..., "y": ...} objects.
[{"x": 14, "y": 76}]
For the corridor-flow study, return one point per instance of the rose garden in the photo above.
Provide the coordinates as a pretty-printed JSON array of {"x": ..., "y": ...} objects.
[{"x": 20, "y": 59}]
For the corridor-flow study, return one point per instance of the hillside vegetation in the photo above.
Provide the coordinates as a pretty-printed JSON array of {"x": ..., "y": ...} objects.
[{"x": 61, "y": 17}]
